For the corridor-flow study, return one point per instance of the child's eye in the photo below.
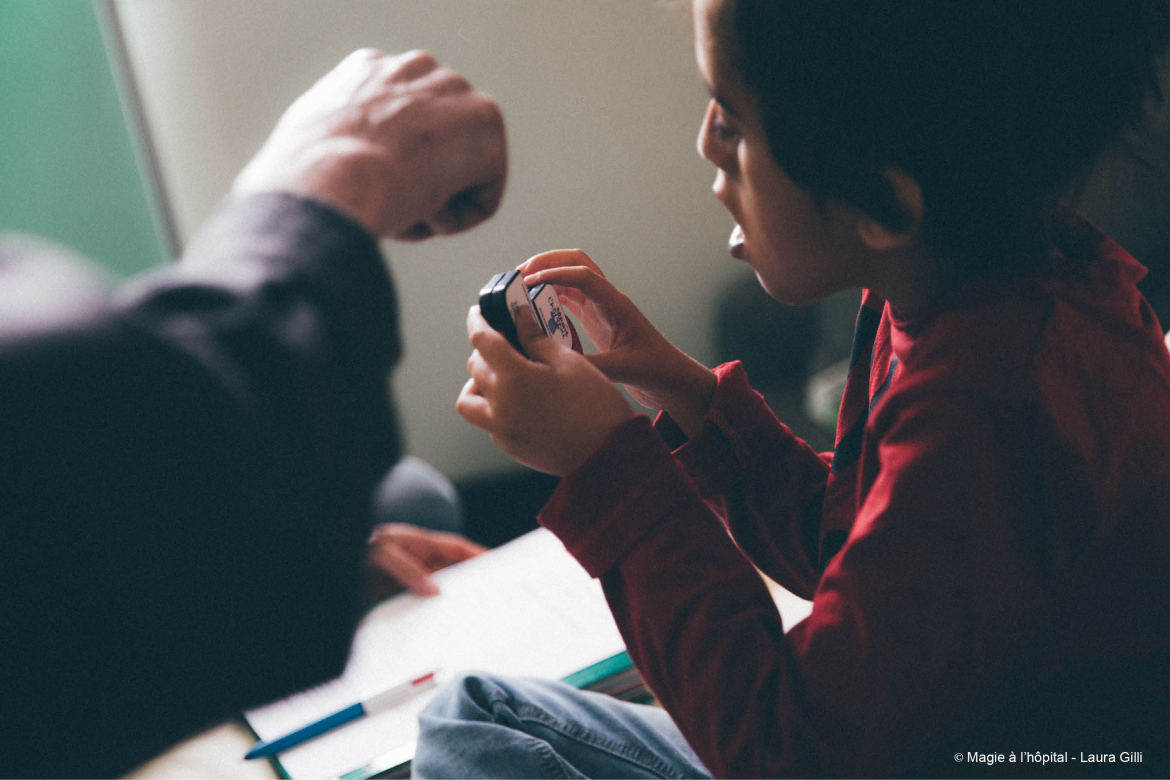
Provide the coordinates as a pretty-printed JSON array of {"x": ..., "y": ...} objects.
[{"x": 723, "y": 131}]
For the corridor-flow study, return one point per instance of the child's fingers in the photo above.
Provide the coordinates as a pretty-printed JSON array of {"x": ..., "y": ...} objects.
[
  {"x": 492, "y": 346},
  {"x": 481, "y": 373},
  {"x": 557, "y": 258},
  {"x": 592, "y": 284},
  {"x": 533, "y": 338},
  {"x": 473, "y": 407},
  {"x": 571, "y": 299},
  {"x": 570, "y": 296},
  {"x": 495, "y": 350}
]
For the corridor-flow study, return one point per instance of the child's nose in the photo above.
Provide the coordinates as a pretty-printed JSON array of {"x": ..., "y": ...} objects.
[{"x": 704, "y": 142}]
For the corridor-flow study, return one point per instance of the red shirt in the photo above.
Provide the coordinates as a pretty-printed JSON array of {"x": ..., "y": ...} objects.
[{"x": 999, "y": 496}]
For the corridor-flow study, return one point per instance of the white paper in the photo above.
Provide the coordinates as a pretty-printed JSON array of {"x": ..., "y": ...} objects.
[{"x": 525, "y": 608}]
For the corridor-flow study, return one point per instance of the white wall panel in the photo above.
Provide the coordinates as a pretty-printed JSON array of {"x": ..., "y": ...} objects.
[{"x": 602, "y": 102}]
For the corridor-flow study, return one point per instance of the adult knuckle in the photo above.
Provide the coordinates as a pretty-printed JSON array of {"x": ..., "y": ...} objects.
[
  {"x": 366, "y": 53},
  {"x": 488, "y": 112},
  {"x": 451, "y": 80},
  {"x": 420, "y": 58}
]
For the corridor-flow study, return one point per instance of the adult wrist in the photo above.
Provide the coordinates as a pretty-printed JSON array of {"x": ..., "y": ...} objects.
[{"x": 344, "y": 174}]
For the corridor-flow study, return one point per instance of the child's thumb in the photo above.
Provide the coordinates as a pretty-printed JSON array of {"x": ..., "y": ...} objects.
[{"x": 532, "y": 337}]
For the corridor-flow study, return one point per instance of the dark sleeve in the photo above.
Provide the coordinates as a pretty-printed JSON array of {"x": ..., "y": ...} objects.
[{"x": 185, "y": 476}]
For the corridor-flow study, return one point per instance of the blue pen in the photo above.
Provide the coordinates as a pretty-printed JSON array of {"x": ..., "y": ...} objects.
[{"x": 380, "y": 702}]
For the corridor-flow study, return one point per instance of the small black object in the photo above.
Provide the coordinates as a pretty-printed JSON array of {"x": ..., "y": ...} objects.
[
  {"x": 500, "y": 301},
  {"x": 504, "y": 296}
]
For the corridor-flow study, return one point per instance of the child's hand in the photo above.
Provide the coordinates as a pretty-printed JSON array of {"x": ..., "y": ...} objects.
[
  {"x": 632, "y": 351},
  {"x": 550, "y": 412},
  {"x": 399, "y": 554}
]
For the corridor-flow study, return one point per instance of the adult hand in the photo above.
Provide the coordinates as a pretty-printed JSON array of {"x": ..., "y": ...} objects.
[
  {"x": 550, "y": 412},
  {"x": 405, "y": 146},
  {"x": 399, "y": 555},
  {"x": 658, "y": 374}
]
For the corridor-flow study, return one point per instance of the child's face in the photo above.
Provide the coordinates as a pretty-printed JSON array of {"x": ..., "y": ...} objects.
[{"x": 799, "y": 251}]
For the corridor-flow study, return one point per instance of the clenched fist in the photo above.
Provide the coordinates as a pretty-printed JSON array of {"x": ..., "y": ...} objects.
[{"x": 405, "y": 146}]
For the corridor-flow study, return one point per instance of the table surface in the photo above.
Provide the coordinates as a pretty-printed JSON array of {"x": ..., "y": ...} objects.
[{"x": 216, "y": 753}]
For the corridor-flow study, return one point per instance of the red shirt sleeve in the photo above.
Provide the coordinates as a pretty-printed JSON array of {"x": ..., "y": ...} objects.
[
  {"x": 765, "y": 483},
  {"x": 927, "y": 600}
]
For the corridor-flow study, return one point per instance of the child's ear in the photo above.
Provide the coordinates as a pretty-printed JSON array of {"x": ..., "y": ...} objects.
[{"x": 881, "y": 237}]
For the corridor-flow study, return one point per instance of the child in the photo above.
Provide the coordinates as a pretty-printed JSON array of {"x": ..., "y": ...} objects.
[{"x": 988, "y": 547}]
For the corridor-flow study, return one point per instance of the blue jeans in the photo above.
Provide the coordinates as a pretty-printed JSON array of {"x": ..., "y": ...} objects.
[{"x": 485, "y": 726}]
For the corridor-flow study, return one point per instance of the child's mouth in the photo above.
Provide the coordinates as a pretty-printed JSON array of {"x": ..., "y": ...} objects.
[{"x": 735, "y": 243}]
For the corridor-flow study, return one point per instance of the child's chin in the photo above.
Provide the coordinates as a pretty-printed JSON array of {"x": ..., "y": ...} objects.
[{"x": 789, "y": 294}]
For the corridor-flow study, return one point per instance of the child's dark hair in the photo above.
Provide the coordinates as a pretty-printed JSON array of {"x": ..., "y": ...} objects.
[{"x": 993, "y": 106}]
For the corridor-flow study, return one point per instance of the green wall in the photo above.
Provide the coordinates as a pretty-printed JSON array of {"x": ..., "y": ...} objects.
[{"x": 67, "y": 163}]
